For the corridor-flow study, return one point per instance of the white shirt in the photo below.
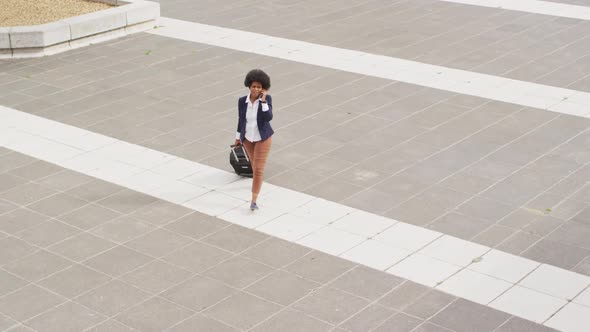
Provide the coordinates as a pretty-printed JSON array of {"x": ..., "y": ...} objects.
[{"x": 252, "y": 132}]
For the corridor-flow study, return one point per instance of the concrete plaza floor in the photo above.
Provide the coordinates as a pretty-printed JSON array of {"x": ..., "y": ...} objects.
[{"x": 78, "y": 253}]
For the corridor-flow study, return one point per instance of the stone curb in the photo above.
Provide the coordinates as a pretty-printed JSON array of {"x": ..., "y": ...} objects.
[{"x": 131, "y": 16}]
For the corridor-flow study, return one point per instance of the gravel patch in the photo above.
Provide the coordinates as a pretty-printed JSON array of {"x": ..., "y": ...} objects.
[{"x": 32, "y": 12}]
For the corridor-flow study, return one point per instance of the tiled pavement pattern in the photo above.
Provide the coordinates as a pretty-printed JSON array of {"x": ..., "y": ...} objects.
[
  {"x": 498, "y": 174},
  {"x": 538, "y": 48},
  {"x": 96, "y": 262},
  {"x": 496, "y": 88}
]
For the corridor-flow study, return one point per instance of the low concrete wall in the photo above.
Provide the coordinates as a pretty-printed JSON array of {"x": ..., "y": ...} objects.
[{"x": 130, "y": 16}]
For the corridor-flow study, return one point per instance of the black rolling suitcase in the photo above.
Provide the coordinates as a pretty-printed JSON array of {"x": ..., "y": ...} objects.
[{"x": 239, "y": 160}]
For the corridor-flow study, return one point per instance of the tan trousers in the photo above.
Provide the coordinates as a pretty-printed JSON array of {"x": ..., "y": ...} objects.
[{"x": 258, "y": 153}]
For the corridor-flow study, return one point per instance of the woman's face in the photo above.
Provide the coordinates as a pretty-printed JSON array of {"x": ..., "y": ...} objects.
[{"x": 255, "y": 89}]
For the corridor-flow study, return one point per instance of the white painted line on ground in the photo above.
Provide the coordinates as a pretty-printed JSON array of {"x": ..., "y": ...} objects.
[
  {"x": 565, "y": 101},
  {"x": 456, "y": 266},
  {"x": 533, "y": 6}
]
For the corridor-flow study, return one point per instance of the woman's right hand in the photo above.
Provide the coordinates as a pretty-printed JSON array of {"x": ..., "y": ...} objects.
[{"x": 237, "y": 142}]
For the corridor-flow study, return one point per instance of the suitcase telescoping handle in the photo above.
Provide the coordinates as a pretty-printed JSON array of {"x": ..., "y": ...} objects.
[{"x": 243, "y": 150}]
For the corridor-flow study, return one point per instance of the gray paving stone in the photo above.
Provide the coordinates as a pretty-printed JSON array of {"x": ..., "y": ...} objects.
[
  {"x": 544, "y": 225},
  {"x": 319, "y": 267},
  {"x": 158, "y": 243},
  {"x": 372, "y": 200},
  {"x": 486, "y": 209},
  {"x": 583, "y": 267},
  {"x": 460, "y": 225},
  {"x": 481, "y": 318},
  {"x": 196, "y": 225},
  {"x": 111, "y": 325},
  {"x": 12, "y": 249},
  {"x": 293, "y": 321},
  {"x": 355, "y": 151},
  {"x": 333, "y": 190},
  {"x": 17, "y": 83},
  {"x": 366, "y": 282},
  {"x": 82, "y": 246},
  {"x": 402, "y": 186},
  {"x": 20, "y": 328},
  {"x": 572, "y": 183},
  {"x": 36, "y": 170},
  {"x": 295, "y": 179},
  {"x": 201, "y": 323},
  {"x": 118, "y": 261},
  {"x": 360, "y": 175},
  {"x": 19, "y": 219},
  {"x": 282, "y": 288},
  {"x": 518, "y": 242},
  {"x": 6, "y": 323},
  {"x": 556, "y": 253},
  {"x": 112, "y": 298},
  {"x": 27, "y": 193},
  {"x": 403, "y": 295},
  {"x": 14, "y": 99},
  {"x": 417, "y": 211},
  {"x": 235, "y": 238},
  {"x": 331, "y": 305},
  {"x": 69, "y": 317},
  {"x": 583, "y": 217},
  {"x": 429, "y": 327},
  {"x": 156, "y": 276},
  {"x": 10, "y": 282},
  {"x": 37, "y": 266},
  {"x": 544, "y": 203},
  {"x": 89, "y": 216},
  {"x": 57, "y": 204},
  {"x": 568, "y": 208},
  {"x": 198, "y": 293},
  {"x": 238, "y": 272},
  {"x": 430, "y": 304},
  {"x": 123, "y": 229},
  {"x": 443, "y": 197},
  {"x": 28, "y": 302},
  {"x": 243, "y": 310},
  {"x": 491, "y": 169},
  {"x": 195, "y": 151},
  {"x": 156, "y": 314},
  {"x": 516, "y": 324},
  {"x": 520, "y": 218},
  {"x": 197, "y": 257},
  {"x": 161, "y": 213},
  {"x": 276, "y": 252},
  {"x": 370, "y": 318},
  {"x": 14, "y": 160},
  {"x": 572, "y": 233},
  {"x": 47, "y": 233},
  {"x": 64, "y": 180},
  {"x": 74, "y": 281},
  {"x": 126, "y": 201},
  {"x": 583, "y": 194},
  {"x": 399, "y": 322},
  {"x": 494, "y": 235},
  {"x": 8, "y": 181}
]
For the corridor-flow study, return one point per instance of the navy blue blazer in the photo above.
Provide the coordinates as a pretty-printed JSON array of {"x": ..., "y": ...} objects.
[{"x": 263, "y": 118}]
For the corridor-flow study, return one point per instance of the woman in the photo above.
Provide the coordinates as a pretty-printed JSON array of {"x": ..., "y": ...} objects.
[{"x": 254, "y": 130}]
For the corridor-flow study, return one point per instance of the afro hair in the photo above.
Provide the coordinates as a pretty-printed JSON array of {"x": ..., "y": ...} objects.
[{"x": 257, "y": 75}]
